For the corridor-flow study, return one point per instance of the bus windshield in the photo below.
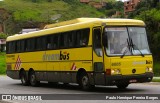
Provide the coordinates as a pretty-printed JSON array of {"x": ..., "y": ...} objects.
[{"x": 126, "y": 41}]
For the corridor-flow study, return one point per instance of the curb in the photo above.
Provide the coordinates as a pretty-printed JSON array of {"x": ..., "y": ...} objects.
[
  {"x": 3, "y": 101},
  {"x": 156, "y": 77}
]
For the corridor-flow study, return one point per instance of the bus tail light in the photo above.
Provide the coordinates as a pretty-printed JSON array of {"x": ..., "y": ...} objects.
[{"x": 108, "y": 71}]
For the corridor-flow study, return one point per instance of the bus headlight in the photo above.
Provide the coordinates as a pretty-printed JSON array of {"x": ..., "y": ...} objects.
[
  {"x": 115, "y": 71},
  {"x": 112, "y": 71},
  {"x": 149, "y": 69}
]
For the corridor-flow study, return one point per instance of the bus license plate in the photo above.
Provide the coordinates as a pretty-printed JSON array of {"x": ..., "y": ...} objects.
[{"x": 133, "y": 81}]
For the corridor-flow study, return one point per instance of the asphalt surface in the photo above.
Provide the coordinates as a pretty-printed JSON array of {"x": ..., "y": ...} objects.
[{"x": 63, "y": 92}]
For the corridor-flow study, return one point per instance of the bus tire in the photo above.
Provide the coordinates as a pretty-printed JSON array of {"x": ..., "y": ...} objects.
[
  {"x": 33, "y": 79},
  {"x": 24, "y": 79},
  {"x": 122, "y": 86},
  {"x": 84, "y": 82}
]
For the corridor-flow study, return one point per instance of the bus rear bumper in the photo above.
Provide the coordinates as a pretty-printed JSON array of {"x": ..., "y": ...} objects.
[
  {"x": 138, "y": 78},
  {"x": 13, "y": 74}
]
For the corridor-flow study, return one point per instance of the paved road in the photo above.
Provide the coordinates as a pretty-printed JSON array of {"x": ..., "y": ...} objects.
[{"x": 9, "y": 86}]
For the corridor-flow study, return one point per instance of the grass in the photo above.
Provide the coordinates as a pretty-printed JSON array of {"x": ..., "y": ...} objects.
[
  {"x": 156, "y": 80},
  {"x": 22, "y": 10},
  {"x": 2, "y": 63}
]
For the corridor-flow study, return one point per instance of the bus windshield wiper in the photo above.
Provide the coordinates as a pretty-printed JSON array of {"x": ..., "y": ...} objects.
[
  {"x": 124, "y": 53},
  {"x": 128, "y": 47},
  {"x": 134, "y": 46},
  {"x": 138, "y": 50}
]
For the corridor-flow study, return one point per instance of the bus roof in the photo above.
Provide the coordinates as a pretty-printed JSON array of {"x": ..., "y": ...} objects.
[
  {"x": 109, "y": 21},
  {"x": 77, "y": 24}
]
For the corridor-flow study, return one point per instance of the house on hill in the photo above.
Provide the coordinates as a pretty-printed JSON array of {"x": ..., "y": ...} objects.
[
  {"x": 97, "y": 5},
  {"x": 130, "y": 6},
  {"x": 85, "y": 1}
]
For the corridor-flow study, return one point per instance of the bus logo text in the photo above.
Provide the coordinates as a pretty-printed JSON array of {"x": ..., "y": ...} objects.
[
  {"x": 64, "y": 55},
  {"x": 61, "y": 56}
]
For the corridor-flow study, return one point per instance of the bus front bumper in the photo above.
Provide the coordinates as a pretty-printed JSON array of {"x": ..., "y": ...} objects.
[{"x": 137, "y": 78}]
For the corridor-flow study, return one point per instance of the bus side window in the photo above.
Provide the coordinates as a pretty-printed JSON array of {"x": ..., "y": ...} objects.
[
  {"x": 97, "y": 42},
  {"x": 27, "y": 45},
  {"x": 38, "y": 43},
  {"x": 66, "y": 42},
  {"x": 63, "y": 40},
  {"x": 13, "y": 46},
  {"x": 22, "y": 45},
  {"x": 55, "y": 41},
  {"x": 49, "y": 42},
  {"x": 18, "y": 46},
  {"x": 43, "y": 42},
  {"x": 77, "y": 38},
  {"x": 84, "y": 37},
  {"x": 32, "y": 44},
  {"x": 71, "y": 39},
  {"x": 9, "y": 47}
]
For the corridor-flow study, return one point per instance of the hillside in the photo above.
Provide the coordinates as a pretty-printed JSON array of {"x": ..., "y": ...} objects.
[
  {"x": 2, "y": 63},
  {"x": 28, "y": 13},
  {"x": 105, "y": 0}
]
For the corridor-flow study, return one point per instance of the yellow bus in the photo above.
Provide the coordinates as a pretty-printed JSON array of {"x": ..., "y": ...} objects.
[{"x": 86, "y": 51}]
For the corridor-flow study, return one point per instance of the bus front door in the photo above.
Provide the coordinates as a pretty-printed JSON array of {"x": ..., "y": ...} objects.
[{"x": 98, "y": 66}]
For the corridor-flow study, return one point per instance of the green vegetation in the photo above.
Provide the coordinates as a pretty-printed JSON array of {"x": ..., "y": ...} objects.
[
  {"x": 2, "y": 35},
  {"x": 20, "y": 14},
  {"x": 25, "y": 13},
  {"x": 2, "y": 63},
  {"x": 156, "y": 68},
  {"x": 105, "y": 0},
  {"x": 149, "y": 12},
  {"x": 112, "y": 7},
  {"x": 155, "y": 80}
]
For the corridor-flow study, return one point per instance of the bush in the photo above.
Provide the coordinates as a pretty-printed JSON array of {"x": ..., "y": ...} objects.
[
  {"x": 156, "y": 68},
  {"x": 2, "y": 63},
  {"x": 3, "y": 36}
]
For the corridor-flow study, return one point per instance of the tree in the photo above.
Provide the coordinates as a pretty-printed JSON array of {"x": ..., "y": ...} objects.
[
  {"x": 4, "y": 15},
  {"x": 49, "y": 0},
  {"x": 3, "y": 36},
  {"x": 152, "y": 20},
  {"x": 35, "y": 1}
]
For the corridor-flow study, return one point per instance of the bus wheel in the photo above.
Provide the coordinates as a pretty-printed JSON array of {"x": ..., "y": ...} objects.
[
  {"x": 84, "y": 82},
  {"x": 23, "y": 78},
  {"x": 122, "y": 86},
  {"x": 33, "y": 80}
]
